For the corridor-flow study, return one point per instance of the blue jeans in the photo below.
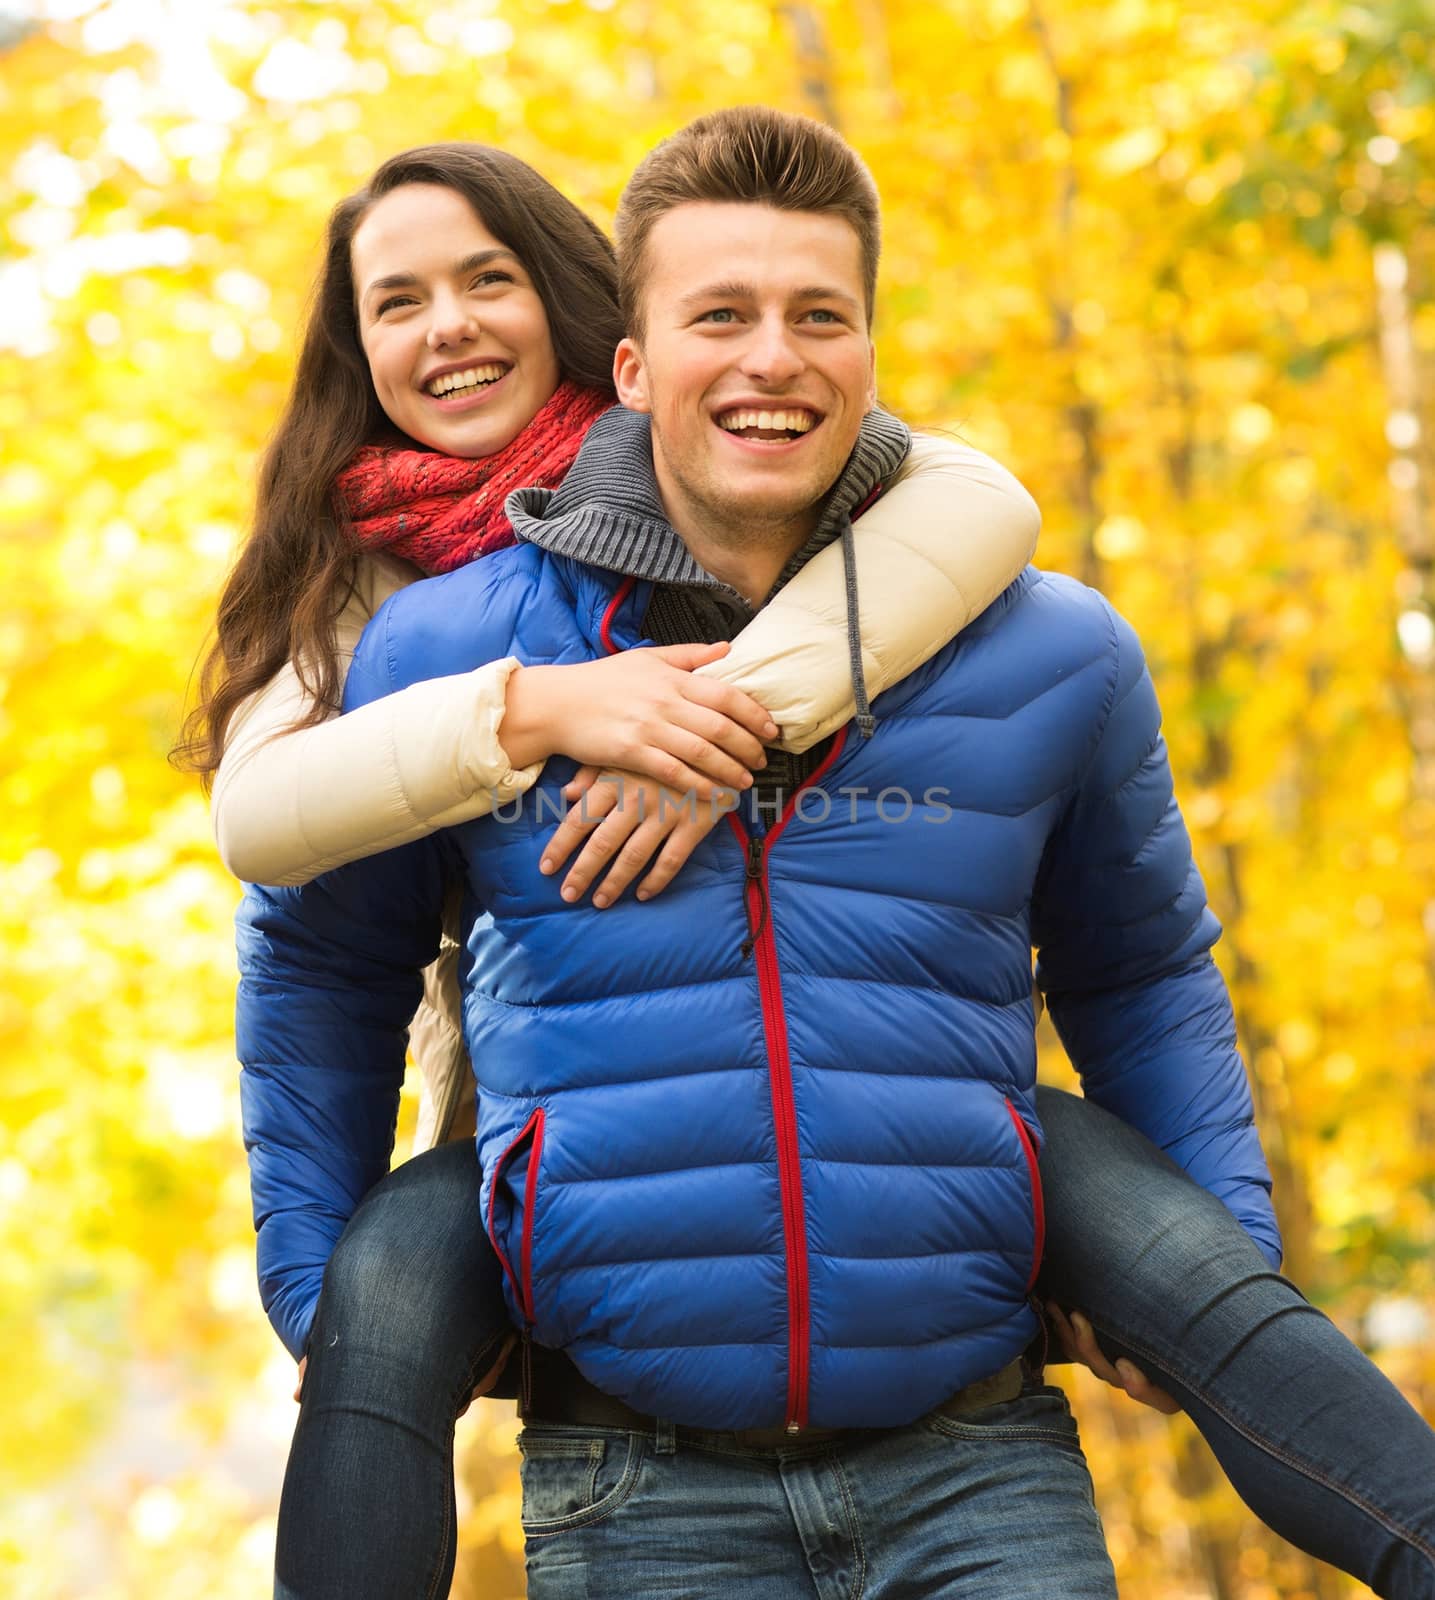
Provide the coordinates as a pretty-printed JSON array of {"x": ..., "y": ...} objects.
[
  {"x": 1311, "y": 1434},
  {"x": 1315, "y": 1439},
  {"x": 995, "y": 1504},
  {"x": 410, "y": 1317}
]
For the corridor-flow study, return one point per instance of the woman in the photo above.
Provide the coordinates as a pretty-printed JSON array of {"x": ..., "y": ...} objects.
[{"x": 459, "y": 273}]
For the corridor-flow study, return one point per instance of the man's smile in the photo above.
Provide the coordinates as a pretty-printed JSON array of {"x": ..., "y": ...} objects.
[{"x": 768, "y": 423}]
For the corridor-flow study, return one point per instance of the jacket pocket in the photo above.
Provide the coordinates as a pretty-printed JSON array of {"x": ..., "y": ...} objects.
[
  {"x": 526, "y": 1148},
  {"x": 1038, "y": 1205}
]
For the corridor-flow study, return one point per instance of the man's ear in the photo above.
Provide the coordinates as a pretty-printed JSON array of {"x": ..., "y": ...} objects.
[{"x": 630, "y": 376}]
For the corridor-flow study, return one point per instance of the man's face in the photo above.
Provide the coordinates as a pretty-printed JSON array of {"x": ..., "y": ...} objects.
[{"x": 754, "y": 363}]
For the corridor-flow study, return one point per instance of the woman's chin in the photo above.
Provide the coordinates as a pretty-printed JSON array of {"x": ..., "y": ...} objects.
[{"x": 471, "y": 443}]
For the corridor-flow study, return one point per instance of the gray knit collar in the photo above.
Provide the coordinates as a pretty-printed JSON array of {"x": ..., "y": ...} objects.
[{"x": 608, "y": 512}]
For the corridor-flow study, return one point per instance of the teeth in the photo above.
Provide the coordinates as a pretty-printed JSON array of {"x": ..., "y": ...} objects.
[
  {"x": 490, "y": 373},
  {"x": 783, "y": 421}
]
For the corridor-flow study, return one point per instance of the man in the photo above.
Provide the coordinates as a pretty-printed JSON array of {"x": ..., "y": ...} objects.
[{"x": 760, "y": 1157}]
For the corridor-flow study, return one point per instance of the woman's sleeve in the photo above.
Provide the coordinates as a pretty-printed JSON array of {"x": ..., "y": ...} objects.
[
  {"x": 290, "y": 803},
  {"x": 952, "y": 530}
]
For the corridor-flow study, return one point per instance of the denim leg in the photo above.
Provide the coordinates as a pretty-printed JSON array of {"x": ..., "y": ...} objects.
[
  {"x": 1314, "y": 1438},
  {"x": 606, "y": 1517},
  {"x": 410, "y": 1314},
  {"x": 993, "y": 1506}
]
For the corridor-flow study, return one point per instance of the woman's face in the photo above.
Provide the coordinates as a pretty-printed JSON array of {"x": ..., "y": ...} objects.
[{"x": 456, "y": 337}]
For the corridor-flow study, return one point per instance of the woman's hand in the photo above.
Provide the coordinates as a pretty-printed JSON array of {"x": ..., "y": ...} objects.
[
  {"x": 624, "y": 818},
  {"x": 642, "y": 711},
  {"x": 1078, "y": 1340}
]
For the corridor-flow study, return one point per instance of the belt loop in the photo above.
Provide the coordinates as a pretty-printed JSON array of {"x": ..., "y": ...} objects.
[{"x": 665, "y": 1438}]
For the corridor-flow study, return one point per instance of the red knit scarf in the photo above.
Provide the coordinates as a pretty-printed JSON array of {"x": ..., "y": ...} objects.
[{"x": 443, "y": 511}]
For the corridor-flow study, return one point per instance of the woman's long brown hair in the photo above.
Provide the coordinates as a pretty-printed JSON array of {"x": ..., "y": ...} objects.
[{"x": 297, "y": 567}]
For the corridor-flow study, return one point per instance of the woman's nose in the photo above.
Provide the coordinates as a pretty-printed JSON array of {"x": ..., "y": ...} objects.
[{"x": 452, "y": 322}]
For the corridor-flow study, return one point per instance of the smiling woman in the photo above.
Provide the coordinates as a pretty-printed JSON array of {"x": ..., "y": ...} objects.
[
  {"x": 297, "y": 571},
  {"x": 454, "y": 330}
]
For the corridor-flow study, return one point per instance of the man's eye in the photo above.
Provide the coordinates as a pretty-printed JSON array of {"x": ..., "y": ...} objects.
[
  {"x": 824, "y": 315},
  {"x": 723, "y": 314}
]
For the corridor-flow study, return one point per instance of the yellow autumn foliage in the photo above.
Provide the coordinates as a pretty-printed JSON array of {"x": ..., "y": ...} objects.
[{"x": 1174, "y": 265}]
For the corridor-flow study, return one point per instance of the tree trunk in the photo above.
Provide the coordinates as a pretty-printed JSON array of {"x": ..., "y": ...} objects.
[
  {"x": 1082, "y": 416},
  {"x": 814, "y": 62}
]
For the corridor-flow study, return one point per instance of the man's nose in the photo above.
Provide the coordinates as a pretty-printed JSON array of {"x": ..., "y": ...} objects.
[
  {"x": 452, "y": 321},
  {"x": 772, "y": 355}
]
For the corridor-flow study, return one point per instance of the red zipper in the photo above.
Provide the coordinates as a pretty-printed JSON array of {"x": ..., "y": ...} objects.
[
  {"x": 522, "y": 1289},
  {"x": 1038, "y": 1204},
  {"x": 756, "y": 848},
  {"x": 774, "y": 1022},
  {"x": 605, "y": 627}
]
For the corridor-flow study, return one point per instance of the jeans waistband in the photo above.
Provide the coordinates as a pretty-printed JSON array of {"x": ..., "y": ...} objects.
[{"x": 560, "y": 1393}]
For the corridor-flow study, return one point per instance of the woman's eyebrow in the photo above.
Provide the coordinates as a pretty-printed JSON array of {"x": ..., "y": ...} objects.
[{"x": 471, "y": 263}]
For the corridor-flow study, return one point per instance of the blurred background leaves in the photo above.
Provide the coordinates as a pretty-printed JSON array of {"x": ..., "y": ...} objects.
[{"x": 1174, "y": 265}]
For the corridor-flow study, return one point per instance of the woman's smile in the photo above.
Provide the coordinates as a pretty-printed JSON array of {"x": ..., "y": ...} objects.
[{"x": 467, "y": 387}]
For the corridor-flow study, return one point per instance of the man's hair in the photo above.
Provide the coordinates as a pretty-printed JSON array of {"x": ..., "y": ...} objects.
[{"x": 752, "y": 155}]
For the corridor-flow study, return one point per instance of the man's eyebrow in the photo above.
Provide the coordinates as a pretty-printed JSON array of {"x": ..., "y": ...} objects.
[
  {"x": 734, "y": 289},
  {"x": 730, "y": 290},
  {"x": 819, "y": 291},
  {"x": 407, "y": 280}
]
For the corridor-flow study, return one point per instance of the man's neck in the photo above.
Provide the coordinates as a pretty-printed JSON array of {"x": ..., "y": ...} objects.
[
  {"x": 750, "y": 561},
  {"x": 749, "y": 556}
]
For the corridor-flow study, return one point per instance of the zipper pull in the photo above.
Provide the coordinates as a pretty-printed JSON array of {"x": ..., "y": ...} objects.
[{"x": 754, "y": 875}]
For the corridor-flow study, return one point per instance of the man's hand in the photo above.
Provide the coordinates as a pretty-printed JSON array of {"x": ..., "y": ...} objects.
[
  {"x": 642, "y": 710},
  {"x": 624, "y": 818},
  {"x": 1078, "y": 1340}
]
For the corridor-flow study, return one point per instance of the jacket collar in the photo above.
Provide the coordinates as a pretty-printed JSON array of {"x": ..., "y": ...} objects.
[{"x": 608, "y": 512}]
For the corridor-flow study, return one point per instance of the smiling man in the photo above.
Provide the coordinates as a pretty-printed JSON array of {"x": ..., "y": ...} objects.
[
  {"x": 760, "y": 1156},
  {"x": 757, "y": 383}
]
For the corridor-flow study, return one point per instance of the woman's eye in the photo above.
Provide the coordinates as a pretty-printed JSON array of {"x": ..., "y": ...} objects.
[
  {"x": 393, "y": 300},
  {"x": 485, "y": 278}
]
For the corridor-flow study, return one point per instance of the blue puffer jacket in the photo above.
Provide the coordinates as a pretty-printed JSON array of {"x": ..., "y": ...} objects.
[{"x": 763, "y": 1150}]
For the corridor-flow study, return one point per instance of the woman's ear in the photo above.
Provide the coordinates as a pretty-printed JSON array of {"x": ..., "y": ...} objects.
[{"x": 630, "y": 376}]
